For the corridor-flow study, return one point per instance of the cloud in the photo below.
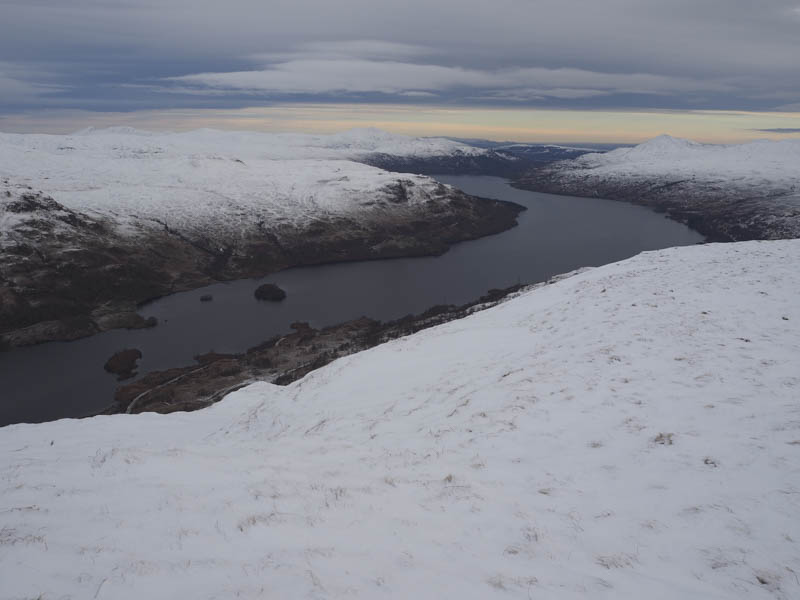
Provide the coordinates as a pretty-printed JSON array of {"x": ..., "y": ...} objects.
[
  {"x": 19, "y": 84},
  {"x": 786, "y": 130},
  {"x": 531, "y": 94},
  {"x": 580, "y": 53},
  {"x": 366, "y": 48},
  {"x": 366, "y": 66},
  {"x": 345, "y": 75}
]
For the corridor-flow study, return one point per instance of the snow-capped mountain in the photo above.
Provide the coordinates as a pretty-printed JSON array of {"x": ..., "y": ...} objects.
[
  {"x": 216, "y": 181},
  {"x": 628, "y": 432},
  {"x": 149, "y": 213},
  {"x": 502, "y": 159},
  {"x": 349, "y": 144},
  {"x": 365, "y": 141},
  {"x": 729, "y": 192},
  {"x": 762, "y": 161},
  {"x": 537, "y": 152}
]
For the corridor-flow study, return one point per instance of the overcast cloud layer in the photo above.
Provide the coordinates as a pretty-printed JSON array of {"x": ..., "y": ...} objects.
[{"x": 144, "y": 54}]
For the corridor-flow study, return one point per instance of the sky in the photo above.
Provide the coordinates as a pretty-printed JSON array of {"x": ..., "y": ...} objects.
[{"x": 528, "y": 70}]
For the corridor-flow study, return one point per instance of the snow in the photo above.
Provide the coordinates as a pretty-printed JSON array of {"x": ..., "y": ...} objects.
[
  {"x": 740, "y": 191},
  {"x": 221, "y": 182},
  {"x": 348, "y": 144},
  {"x": 760, "y": 163},
  {"x": 542, "y": 147},
  {"x": 632, "y": 431}
]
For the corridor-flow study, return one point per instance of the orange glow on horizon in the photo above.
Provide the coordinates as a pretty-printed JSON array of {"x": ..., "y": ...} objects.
[{"x": 522, "y": 125}]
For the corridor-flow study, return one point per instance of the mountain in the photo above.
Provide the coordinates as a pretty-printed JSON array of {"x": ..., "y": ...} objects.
[
  {"x": 630, "y": 431},
  {"x": 347, "y": 144},
  {"x": 500, "y": 159},
  {"x": 95, "y": 222},
  {"x": 728, "y": 192},
  {"x": 774, "y": 161}
]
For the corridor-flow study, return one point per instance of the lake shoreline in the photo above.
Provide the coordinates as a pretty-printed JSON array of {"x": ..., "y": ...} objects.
[
  {"x": 729, "y": 214},
  {"x": 555, "y": 235},
  {"x": 127, "y": 274},
  {"x": 282, "y": 359}
]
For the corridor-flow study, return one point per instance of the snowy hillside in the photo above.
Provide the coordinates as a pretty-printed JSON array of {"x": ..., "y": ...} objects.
[
  {"x": 763, "y": 162},
  {"x": 347, "y": 144},
  {"x": 734, "y": 192},
  {"x": 215, "y": 182},
  {"x": 629, "y": 432}
]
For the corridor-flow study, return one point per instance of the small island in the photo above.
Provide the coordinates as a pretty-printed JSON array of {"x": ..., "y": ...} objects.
[
  {"x": 270, "y": 292},
  {"x": 124, "y": 363}
]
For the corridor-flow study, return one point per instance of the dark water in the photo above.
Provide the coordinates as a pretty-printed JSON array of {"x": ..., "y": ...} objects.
[{"x": 556, "y": 234}]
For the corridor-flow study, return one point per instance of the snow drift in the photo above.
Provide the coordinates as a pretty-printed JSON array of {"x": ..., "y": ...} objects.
[{"x": 631, "y": 431}]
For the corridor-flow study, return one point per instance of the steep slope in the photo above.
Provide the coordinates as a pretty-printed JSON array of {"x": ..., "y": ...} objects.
[
  {"x": 736, "y": 192},
  {"x": 181, "y": 210},
  {"x": 629, "y": 432}
]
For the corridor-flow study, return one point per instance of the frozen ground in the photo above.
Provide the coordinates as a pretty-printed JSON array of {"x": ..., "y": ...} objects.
[
  {"x": 223, "y": 185},
  {"x": 632, "y": 431}
]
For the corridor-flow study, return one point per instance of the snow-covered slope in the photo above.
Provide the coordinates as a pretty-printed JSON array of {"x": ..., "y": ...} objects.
[
  {"x": 735, "y": 192},
  {"x": 763, "y": 162},
  {"x": 630, "y": 432},
  {"x": 349, "y": 144},
  {"x": 220, "y": 183}
]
